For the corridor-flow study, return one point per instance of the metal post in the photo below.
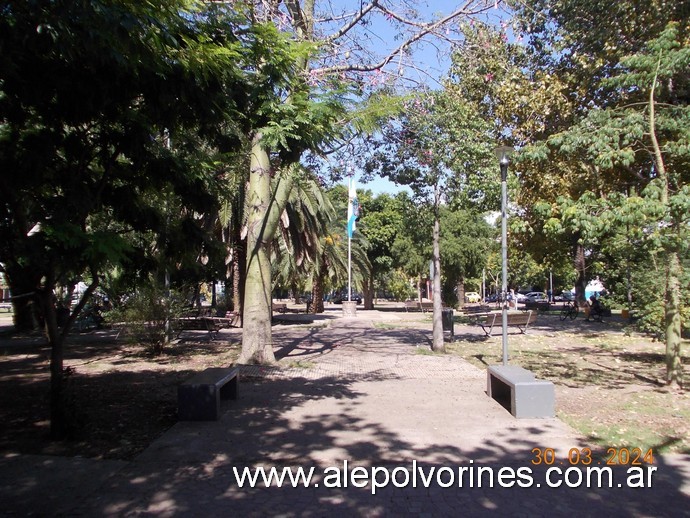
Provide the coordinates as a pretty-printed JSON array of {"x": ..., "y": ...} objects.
[
  {"x": 349, "y": 269},
  {"x": 504, "y": 256}
]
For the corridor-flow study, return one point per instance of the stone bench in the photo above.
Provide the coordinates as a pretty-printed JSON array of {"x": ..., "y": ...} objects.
[
  {"x": 198, "y": 399},
  {"x": 519, "y": 392}
]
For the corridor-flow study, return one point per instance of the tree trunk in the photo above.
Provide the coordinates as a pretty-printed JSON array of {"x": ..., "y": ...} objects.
[
  {"x": 579, "y": 263},
  {"x": 460, "y": 289},
  {"x": 438, "y": 344},
  {"x": 672, "y": 317},
  {"x": 58, "y": 420},
  {"x": 317, "y": 293},
  {"x": 265, "y": 205},
  {"x": 674, "y": 367},
  {"x": 368, "y": 292}
]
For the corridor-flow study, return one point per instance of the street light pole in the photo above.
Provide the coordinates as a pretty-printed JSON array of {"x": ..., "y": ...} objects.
[{"x": 503, "y": 153}]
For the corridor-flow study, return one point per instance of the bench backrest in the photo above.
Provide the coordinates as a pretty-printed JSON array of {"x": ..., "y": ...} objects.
[
  {"x": 521, "y": 318},
  {"x": 475, "y": 309}
]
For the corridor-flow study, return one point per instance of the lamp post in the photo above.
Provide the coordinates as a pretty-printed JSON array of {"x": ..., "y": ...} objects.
[{"x": 503, "y": 154}]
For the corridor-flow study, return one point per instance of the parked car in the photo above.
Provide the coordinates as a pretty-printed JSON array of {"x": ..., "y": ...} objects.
[
  {"x": 472, "y": 297},
  {"x": 521, "y": 297},
  {"x": 568, "y": 295},
  {"x": 339, "y": 297},
  {"x": 491, "y": 298},
  {"x": 536, "y": 296}
]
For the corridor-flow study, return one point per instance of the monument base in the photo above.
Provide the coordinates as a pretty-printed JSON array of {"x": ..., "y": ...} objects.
[{"x": 349, "y": 308}]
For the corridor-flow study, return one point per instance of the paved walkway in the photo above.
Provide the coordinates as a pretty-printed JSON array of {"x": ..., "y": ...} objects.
[{"x": 351, "y": 396}]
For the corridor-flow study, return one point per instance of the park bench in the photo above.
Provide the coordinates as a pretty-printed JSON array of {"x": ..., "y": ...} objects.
[
  {"x": 280, "y": 307},
  {"x": 520, "y": 320},
  {"x": 231, "y": 319},
  {"x": 195, "y": 324},
  {"x": 540, "y": 305},
  {"x": 411, "y": 305},
  {"x": 474, "y": 313},
  {"x": 519, "y": 392},
  {"x": 198, "y": 399}
]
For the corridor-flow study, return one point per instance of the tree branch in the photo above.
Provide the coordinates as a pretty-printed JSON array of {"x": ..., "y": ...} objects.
[{"x": 424, "y": 30}]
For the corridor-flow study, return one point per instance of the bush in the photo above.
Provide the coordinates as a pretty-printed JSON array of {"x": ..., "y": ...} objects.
[
  {"x": 145, "y": 313},
  {"x": 399, "y": 286}
]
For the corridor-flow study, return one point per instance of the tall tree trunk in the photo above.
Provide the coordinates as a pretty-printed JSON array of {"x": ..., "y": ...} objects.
[
  {"x": 674, "y": 366},
  {"x": 265, "y": 205},
  {"x": 368, "y": 292},
  {"x": 579, "y": 263},
  {"x": 58, "y": 419},
  {"x": 437, "y": 344},
  {"x": 460, "y": 289},
  {"x": 317, "y": 292},
  {"x": 672, "y": 317}
]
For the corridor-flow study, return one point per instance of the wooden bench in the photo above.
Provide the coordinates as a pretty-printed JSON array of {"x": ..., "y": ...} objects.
[
  {"x": 520, "y": 320},
  {"x": 231, "y": 319},
  {"x": 411, "y": 305},
  {"x": 538, "y": 305},
  {"x": 474, "y": 313},
  {"x": 198, "y": 399},
  {"x": 280, "y": 307},
  {"x": 519, "y": 392},
  {"x": 195, "y": 324}
]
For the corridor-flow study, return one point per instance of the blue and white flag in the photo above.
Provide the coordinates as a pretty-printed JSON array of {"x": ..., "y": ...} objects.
[{"x": 352, "y": 208}]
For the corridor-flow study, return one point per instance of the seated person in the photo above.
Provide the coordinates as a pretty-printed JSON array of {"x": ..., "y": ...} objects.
[{"x": 595, "y": 306}]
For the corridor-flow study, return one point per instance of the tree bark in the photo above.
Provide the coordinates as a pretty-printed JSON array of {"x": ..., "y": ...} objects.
[
  {"x": 579, "y": 263},
  {"x": 265, "y": 205},
  {"x": 438, "y": 344},
  {"x": 368, "y": 292},
  {"x": 672, "y": 317}
]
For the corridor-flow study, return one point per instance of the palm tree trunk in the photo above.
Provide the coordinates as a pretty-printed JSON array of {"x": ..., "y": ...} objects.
[{"x": 265, "y": 205}]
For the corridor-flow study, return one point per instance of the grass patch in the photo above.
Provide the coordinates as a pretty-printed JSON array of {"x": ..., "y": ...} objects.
[
  {"x": 300, "y": 364},
  {"x": 609, "y": 385},
  {"x": 383, "y": 325}
]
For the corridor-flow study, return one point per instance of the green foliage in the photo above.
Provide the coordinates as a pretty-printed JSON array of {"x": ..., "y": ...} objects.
[
  {"x": 466, "y": 239},
  {"x": 148, "y": 314},
  {"x": 399, "y": 286}
]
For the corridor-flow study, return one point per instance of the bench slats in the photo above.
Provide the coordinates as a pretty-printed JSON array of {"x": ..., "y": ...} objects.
[{"x": 520, "y": 320}]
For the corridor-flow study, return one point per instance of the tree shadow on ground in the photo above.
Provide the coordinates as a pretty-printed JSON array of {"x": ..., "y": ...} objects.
[
  {"x": 286, "y": 420},
  {"x": 322, "y": 423}
]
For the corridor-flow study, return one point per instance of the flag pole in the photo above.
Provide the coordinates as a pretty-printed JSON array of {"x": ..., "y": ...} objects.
[{"x": 349, "y": 268}]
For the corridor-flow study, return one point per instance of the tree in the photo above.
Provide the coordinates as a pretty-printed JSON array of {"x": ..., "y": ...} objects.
[
  {"x": 641, "y": 131},
  {"x": 434, "y": 148},
  {"x": 83, "y": 133},
  {"x": 466, "y": 240},
  {"x": 381, "y": 222},
  {"x": 343, "y": 61}
]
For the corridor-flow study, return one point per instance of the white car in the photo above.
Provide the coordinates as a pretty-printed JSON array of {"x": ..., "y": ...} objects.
[
  {"x": 472, "y": 297},
  {"x": 536, "y": 296}
]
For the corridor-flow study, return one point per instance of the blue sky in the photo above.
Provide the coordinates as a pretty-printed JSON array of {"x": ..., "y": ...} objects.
[{"x": 431, "y": 57}]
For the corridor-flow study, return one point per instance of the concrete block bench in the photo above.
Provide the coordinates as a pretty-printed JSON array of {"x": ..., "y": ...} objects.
[
  {"x": 518, "y": 391},
  {"x": 198, "y": 399}
]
